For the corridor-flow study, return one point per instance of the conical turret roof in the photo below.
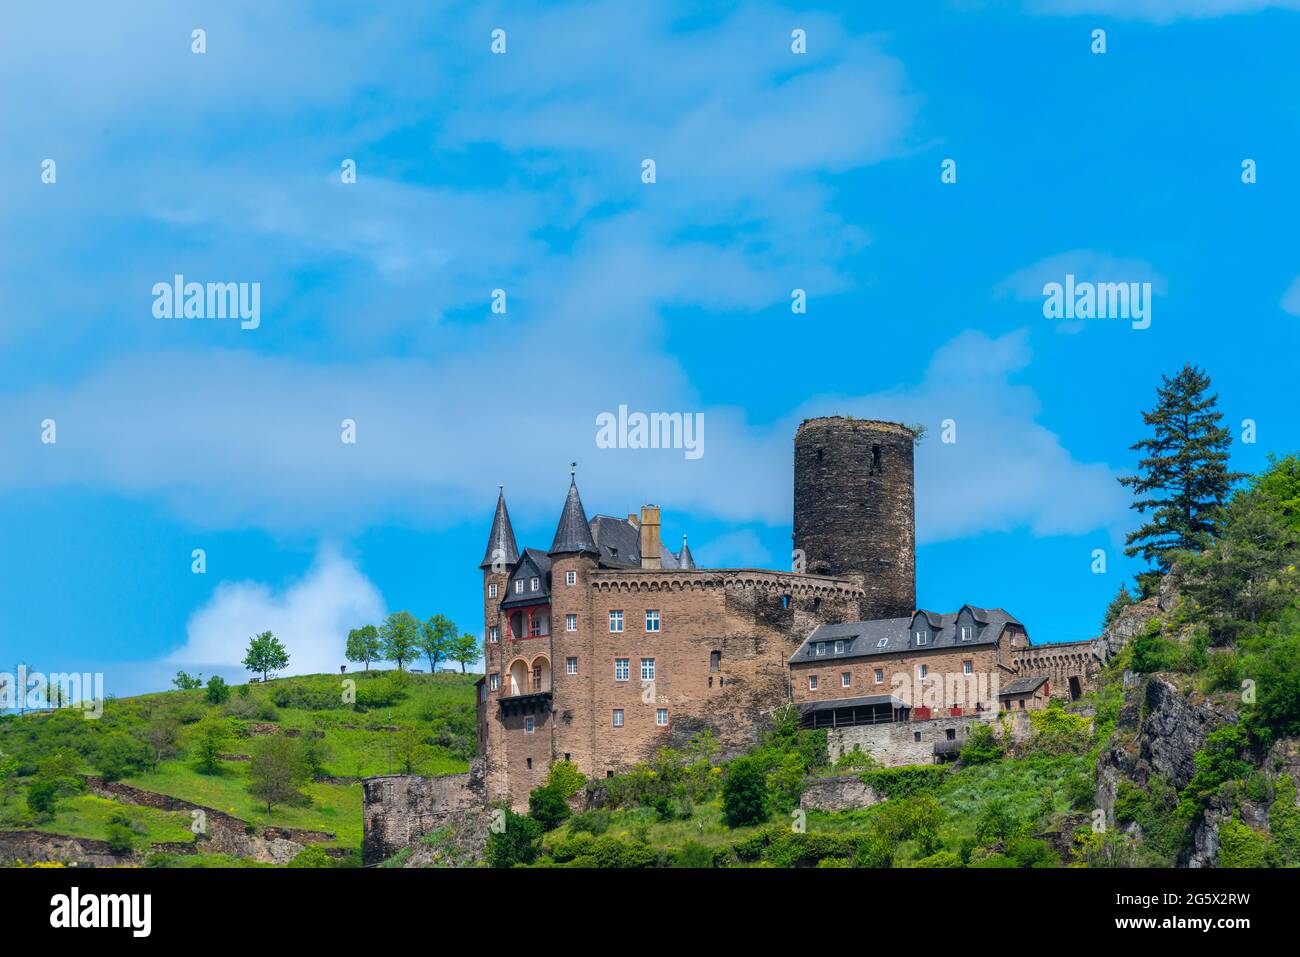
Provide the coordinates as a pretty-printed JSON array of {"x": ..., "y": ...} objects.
[
  {"x": 684, "y": 558},
  {"x": 501, "y": 547},
  {"x": 573, "y": 534}
]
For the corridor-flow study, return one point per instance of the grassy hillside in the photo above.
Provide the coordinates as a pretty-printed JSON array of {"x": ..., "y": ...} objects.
[{"x": 393, "y": 723}]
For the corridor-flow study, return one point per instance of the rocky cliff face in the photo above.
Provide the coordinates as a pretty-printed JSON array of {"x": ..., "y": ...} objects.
[{"x": 1161, "y": 727}]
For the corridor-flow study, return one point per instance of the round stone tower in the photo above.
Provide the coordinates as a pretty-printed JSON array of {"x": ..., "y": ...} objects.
[{"x": 854, "y": 516}]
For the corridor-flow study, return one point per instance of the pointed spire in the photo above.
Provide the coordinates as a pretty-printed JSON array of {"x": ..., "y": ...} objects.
[
  {"x": 501, "y": 547},
  {"x": 573, "y": 534},
  {"x": 684, "y": 558}
]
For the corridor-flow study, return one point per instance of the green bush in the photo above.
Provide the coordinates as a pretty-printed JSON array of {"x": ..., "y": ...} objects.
[
  {"x": 565, "y": 777},
  {"x": 1153, "y": 652},
  {"x": 1284, "y": 823},
  {"x": 982, "y": 746},
  {"x": 1223, "y": 758},
  {"x": 218, "y": 691},
  {"x": 1055, "y": 731},
  {"x": 583, "y": 850},
  {"x": 851, "y": 762},
  {"x": 940, "y": 859},
  {"x": 313, "y": 856},
  {"x": 1031, "y": 852},
  {"x": 516, "y": 842},
  {"x": 594, "y": 822},
  {"x": 744, "y": 793},
  {"x": 1241, "y": 846},
  {"x": 119, "y": 755},
  {"x": 121, "y": 840},
  {"x": 905, "y": 781},
  {"x": 547, "y": 806}
]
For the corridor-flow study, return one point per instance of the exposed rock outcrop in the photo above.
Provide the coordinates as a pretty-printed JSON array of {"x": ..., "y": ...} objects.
[
  {"x": 217, "y": 831},
  {"x": 837, "y": 794}
]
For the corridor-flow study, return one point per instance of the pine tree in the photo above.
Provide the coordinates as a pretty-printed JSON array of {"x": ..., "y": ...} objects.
[{"x": 1183, "y": 478}]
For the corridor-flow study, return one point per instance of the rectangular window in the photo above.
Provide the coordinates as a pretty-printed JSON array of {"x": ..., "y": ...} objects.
[
  {"x": 571, "y": 665},
  {"x": 812, "y": 682},
  {"x": 528, "y": 725},
  {"x": 916, "y": 735},
  {"x": 618, "y": 717},
  {"x": 880, "y": 676},
  {"x": 621, "y": 669},
  {"x": 534, "y": 583},
  {"x": 652, "y": 619},
  {"x": 968, "y": 667},
  {"x": 966, "y": 633},
  {"x": 647, "y": 669},
  {"x": 882, "y": 642},
  {"x": 920, "y": 637},
  {"x": 845, "y": 679},
  {"x": 661, "y": 717},
  {"x": 492, "y": 590},
  {"x": 519, "y": 586},
  {"x": 493, "y": 634},
  {"x": 839, "y": 647},
  {"x": 570, "y": 578},
  {"x": 923, "y": 670},
  {"x": 534, "y": 627},
  {"x": 820, "y": 649},
  {"x": 570, "y": 622},
  {"x": 715, "y": 661},
  {"x": 615, "y": 621},
  {"x": 496, "y": 682}
]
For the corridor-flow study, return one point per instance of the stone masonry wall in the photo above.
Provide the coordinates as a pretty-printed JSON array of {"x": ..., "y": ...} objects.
[
  {"x": 896, "y": 744},
  {"x": 752, "y": 619},
  {"x": 399, "y": 809},
  {"x": 854, "y": 511}
]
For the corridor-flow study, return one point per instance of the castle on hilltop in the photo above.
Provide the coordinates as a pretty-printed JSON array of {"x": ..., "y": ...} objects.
[{"x": 608, "y": 645}]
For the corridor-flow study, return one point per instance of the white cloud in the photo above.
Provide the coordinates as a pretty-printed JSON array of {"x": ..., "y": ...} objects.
[
  {"x": 311, "y": 616},
  {"x": 234, "y": 438},
  {"x": 1087, "y": 265},
  {"x": 1291, "y": 298}
]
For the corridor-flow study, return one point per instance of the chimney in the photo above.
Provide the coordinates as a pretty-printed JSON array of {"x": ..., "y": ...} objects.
[
  {"x": 631, "y": 519},
  {"x": 650, "y": 536}
]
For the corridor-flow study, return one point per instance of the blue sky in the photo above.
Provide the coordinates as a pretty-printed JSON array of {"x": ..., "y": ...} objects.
[{"x": 521, "y": 171}]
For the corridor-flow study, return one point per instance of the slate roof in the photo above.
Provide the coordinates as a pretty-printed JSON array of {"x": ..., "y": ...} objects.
[
  {"x": 684, "y": 558},
  {"x": 837, "y": 703},
  {"x": 533, "y": 559},
  {"x": 501, "y": 540},
  {"x": 619, "y": 544},
  {"x": 1022, "y": 686},
  {"x": 618, "y": 541},
  {"x": 887, "y": 636},
  {"x": 573, "y": 534}
]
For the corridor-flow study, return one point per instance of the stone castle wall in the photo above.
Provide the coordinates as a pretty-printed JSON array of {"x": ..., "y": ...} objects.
[
  {"x": 854, "y": 509},
  {"x": 751, "y": 620}
]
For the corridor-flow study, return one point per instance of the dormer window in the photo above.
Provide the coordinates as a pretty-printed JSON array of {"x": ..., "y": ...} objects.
[
  {"x": 519, "y": 586},
  {"x": 534, "y": 583},
  {"x": 819, "y": 648},
  {"x": 922, "y": 637},
  {"x": 839, "y": 647},
  {"x": 967, "y": 632}
]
